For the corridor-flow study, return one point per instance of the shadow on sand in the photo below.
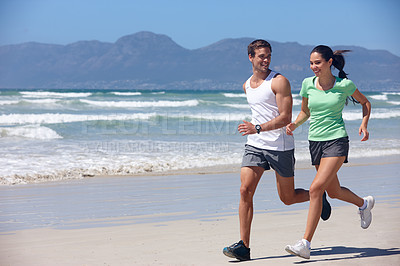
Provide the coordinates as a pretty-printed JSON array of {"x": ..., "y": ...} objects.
[{"x": 342, "y": 253}]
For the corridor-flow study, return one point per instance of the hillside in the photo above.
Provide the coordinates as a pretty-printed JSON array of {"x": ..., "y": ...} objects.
[{"x": 145, "y": 60}]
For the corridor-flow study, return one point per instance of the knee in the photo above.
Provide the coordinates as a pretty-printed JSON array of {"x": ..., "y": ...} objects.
[
  {"x": 246, "y": 193},
  {"x": 315, "y": 191},
  {"x": 287, "y": 199},
  {"x": 334, "y": 194}
]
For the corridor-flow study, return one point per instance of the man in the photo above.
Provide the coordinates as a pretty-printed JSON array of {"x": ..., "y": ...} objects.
[{"x": 270, "y": 99}]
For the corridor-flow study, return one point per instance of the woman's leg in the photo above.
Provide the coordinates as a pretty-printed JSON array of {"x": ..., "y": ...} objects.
[
  {"x": 335, "y": 191},
  {"x": 326, "y": 173}
]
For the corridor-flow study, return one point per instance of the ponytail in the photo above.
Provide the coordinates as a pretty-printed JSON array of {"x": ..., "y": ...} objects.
[{"x": 338, "y": 62}]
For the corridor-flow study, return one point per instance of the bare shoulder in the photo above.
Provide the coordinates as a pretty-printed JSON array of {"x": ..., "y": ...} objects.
[
  {"x": 280, "y": 84},
  {"x": 244, "y": 87}
]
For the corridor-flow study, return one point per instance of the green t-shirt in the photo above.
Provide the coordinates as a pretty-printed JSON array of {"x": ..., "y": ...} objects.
[{"x": 326, "y": 121}]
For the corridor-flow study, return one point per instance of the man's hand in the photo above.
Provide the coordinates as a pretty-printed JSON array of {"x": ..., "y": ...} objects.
[{"x": 247, "y": 128}]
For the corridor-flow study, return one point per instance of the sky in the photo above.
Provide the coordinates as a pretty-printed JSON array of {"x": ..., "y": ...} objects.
[{"x": 372, "y": 24}]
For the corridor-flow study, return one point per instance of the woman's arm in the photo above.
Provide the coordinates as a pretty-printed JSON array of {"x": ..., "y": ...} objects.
[
  {"x": 301, "y": 118},
  {"x": 366, "y": 108}
]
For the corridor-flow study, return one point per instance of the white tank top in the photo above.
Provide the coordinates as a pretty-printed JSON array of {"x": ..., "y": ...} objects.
[{"x": 263, "y": 106}]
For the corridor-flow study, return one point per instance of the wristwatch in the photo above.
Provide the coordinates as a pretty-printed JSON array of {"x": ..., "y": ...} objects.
[{"x": 258, "y": 128}]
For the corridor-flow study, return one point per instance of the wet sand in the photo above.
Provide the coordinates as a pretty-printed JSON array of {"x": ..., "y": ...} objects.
[{"x": 188, "y": 219}]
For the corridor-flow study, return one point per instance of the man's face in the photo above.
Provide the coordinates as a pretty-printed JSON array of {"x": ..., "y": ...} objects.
[{"x": 261, "y": 59}]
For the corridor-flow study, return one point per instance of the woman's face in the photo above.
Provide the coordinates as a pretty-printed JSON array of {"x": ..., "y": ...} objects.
[{"x": 319, "y": 65}]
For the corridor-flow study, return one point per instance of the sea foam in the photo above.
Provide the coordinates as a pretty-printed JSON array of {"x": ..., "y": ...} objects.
[
  {"x": 378, "y": 113},
  {"x": 141, "y": 104},
  {"x": 49, "y": 118},
  {"x": 31, "y": 132},
  {"x": 126, "y": 93},
  {"x": 8, "y": 102},
  {"x": 234, "y": 95},
  {"x": 44, "y": 94}
]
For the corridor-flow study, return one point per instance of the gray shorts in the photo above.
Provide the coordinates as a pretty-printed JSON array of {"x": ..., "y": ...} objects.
[
  {"x": 331, "y": 148},
  {"x": 281, "y": 161}
]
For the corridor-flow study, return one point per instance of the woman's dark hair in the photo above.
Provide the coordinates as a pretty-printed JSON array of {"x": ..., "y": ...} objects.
[{"x": 337, "y": 61}]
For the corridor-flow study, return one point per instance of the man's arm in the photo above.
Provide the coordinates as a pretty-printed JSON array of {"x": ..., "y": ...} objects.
[{"x": 281, "y": 87}]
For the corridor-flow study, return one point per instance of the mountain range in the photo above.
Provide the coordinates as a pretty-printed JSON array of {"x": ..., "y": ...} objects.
[{"x": 146, "y": 60}]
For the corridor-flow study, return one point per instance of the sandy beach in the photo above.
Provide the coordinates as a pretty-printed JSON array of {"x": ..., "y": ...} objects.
[{"x": 188, "y": 219}]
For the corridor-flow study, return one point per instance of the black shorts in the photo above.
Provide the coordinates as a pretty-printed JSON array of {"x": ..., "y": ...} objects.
[{"x": 331, "y": 148}]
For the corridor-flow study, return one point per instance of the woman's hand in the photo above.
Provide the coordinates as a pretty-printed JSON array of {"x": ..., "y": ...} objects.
[
  {"x": 363, "y": 130},
  {"x": 290, "y": 128}
]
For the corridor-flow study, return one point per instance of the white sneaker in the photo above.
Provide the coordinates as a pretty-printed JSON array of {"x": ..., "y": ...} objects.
[
  {"x": 299, "y": 249},
  {"x": 366, "y": 215}
]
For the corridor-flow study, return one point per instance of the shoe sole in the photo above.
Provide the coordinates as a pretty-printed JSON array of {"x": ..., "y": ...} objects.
[
  {"x": 373, "y": 203},
  {"x": 372, "y": 206},
  {"x": 231, "y": 255},
  {"x": 326, "y": 208},
  {"x": 228, "y": 254},
  {"x": 294, "y": 253}
]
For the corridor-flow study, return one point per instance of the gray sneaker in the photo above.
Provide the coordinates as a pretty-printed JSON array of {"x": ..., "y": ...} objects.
[
  {"x": 299, "y": 249},
  {"x": 366, "y": 215}
]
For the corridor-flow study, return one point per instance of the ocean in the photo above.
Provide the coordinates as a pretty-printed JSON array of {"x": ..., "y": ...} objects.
[{"x": 51, "y": 135}]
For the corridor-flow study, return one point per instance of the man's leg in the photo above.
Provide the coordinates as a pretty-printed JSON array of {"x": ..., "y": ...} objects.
[
  {"x": 249, "y": 176},
  {"x": 287, "y": 193}
]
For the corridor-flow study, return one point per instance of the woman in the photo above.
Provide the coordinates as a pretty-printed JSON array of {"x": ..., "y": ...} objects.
[{"x": 324, "y": 97}]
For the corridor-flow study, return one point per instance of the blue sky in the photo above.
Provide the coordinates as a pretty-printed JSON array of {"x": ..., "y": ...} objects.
[{"x": 373, "y": 24}]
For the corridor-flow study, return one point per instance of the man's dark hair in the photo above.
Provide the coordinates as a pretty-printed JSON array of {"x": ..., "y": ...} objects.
[{"x": 257, "y": 44}]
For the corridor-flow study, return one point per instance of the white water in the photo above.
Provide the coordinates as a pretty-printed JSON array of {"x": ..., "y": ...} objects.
[{"x": 56, "y": 135}]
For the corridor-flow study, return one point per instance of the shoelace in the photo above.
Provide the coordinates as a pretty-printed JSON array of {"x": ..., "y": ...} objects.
[
  {"x": 300, "y": 243},
  {"x": 236, "y": 244},
  {"x": 361, "y": 212}
]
